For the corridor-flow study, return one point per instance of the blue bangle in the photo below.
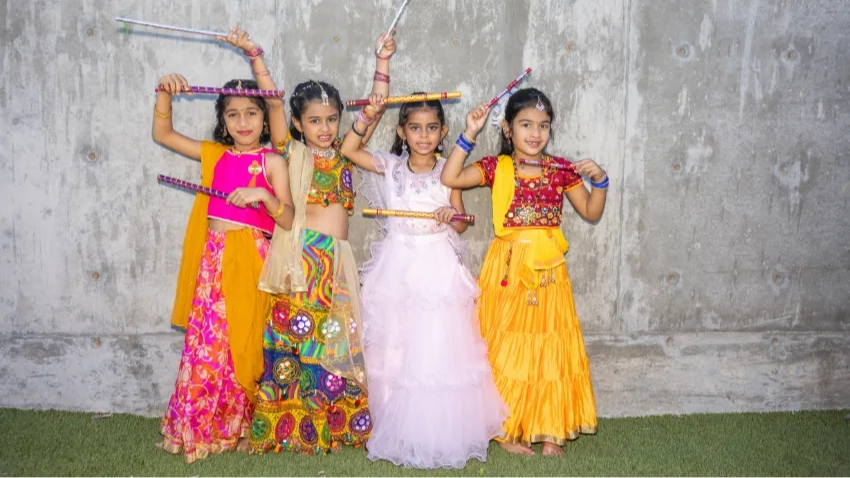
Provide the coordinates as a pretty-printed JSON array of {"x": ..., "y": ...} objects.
[
  {"x": 464, "y": 146},
  {"x": 465, "y": 141},
  {"x": 601, "y": 184}
]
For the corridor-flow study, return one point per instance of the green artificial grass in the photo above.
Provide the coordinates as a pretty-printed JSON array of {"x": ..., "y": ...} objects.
[{"x": 48, "y": 443}]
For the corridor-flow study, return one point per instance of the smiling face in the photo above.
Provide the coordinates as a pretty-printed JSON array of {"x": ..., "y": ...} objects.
[
  {"x": 529, "y": 131},
  {"x": 244, "y": 121},
  {"x": 319, "y": 124},
  {"x": 423, "y": 131}
]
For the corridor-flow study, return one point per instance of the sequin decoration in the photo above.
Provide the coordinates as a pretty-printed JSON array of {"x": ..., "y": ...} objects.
[
  {"x": 308, "y": 431},
  {"x": 361, "y": 422},
  {"x": 286, "y": 371},
  {"x": 285, "y": 427},
  {"x": 301, "y": 325}
]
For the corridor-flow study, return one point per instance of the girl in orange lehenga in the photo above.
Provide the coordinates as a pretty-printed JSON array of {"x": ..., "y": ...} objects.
[{"x": 527, "y": 313}]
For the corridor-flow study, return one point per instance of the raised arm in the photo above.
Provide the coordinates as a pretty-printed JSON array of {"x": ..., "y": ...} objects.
[
  {"x": 353, "y": 143},
  {"x": 590, "y": 205},
  {"x": 454, "y": 174},
  {"x": 381, "y": 80},
  {"x": 163, "y": 129},
  {"x": 278, "y": 125}
]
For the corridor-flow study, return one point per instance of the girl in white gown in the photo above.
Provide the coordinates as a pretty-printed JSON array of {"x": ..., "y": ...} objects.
[{"x": 431, "y": 390}]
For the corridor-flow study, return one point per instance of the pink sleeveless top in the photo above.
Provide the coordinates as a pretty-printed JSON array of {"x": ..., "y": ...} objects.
[{"x": 241, "y": 170}]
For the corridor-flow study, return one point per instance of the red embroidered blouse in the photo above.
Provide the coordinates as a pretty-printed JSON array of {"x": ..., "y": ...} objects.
[{"x": 537, "y": 200}]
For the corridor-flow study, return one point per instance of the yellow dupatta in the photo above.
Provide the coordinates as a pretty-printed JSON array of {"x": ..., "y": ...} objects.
[{"x": 548, "y": 244}]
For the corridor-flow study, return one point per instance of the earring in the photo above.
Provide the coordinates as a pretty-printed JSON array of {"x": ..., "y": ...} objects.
[
  {"x": 440, "y": 147},
  {"x": 404, "y": 145}
]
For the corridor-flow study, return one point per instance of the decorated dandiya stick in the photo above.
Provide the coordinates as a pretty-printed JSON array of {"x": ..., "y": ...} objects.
[
  {"x": 393, "y": 24},
  {"x": 510, "y": 86},
  {"x": 534, "y": 162},
  {"x": 414, "y": 214},
  {"x": 171, "y": 27},
  {"x": 392, "y": 100},
  {"x": 213, "y": 90},
  {"x": 197, "y": 188}
]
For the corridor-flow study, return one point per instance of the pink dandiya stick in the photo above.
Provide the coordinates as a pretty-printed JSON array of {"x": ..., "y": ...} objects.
[
  {"x": 392, "y": 100},
  {"x": 212, "y": 90},
  {"x": 533, "y": 162},
  {"x": 414, "y": 214},
  {"x": 197, "y": 188},
  {"x": 506, "y": 90}
]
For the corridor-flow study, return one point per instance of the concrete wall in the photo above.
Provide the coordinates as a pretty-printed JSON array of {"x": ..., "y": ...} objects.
[{"x": 717, "y": 280}]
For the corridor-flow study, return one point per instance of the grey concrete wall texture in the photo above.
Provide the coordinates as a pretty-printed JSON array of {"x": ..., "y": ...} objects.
[{"x": 718, "y": 279}]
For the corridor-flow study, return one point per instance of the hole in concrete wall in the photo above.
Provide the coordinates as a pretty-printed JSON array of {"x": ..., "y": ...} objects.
[
  {"x": 774, "y": 340},
  {"x": 672, "y": 278},
  {"x": 92, "y": 156},
  {"x": 790, "y": 55},
  {"x": 97, "y": 342},
  {"x": 778, "y": 277},
  {"x": 95, "y": 275},
  {"x": 335, "y": 39},
  {"x": 669, "y": 340},
  {"x": 570, "y": 47},
  {"x": 677, "y": 166},
  {"x": 683, "y": 51},
  {"x": 90, "y": 32},
  {"x": 456, "y": 42}
]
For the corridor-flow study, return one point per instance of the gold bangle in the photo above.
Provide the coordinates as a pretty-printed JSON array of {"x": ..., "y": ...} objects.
[
  {"x": 161, "y": 115},
  {"x": 276, "y": 214}
]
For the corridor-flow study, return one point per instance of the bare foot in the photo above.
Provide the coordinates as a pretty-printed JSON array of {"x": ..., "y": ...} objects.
[
  {"x": 551, "y": 449},
  {"x": 243, "y": 445},
  {"x": 516, "y": 449}
]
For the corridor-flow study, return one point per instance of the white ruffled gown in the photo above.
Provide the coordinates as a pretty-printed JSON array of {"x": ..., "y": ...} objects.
[{"x": 431, "y": 392}]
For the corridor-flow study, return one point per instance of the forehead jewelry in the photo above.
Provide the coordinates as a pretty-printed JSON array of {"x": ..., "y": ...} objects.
[
  {"x": 540, "y": 106},
  {"x": 325, "y": 101}
]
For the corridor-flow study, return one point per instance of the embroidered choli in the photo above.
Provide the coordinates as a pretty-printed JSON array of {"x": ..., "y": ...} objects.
[
  {"x": 538, "y": 200},
  {"x": 332, "y": 178}
]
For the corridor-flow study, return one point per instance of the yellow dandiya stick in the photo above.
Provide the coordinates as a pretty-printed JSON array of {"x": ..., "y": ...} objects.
[
  {"x": 413, "y": 214},
  {"x": 392, "y": 100}
]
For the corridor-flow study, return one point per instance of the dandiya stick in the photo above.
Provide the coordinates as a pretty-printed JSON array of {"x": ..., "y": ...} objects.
[
  {"x": 413, "y": 214},
  {"x": 171, "y": 27},
  {"x": 533, "y": 162},
  {"x": 392, "y": 100},
  {"x": 393, "y": 24},
  {"x": 212, "y": 90},
  {"x": 506, "y": 90},
  {"x": 197, "y": 188}
]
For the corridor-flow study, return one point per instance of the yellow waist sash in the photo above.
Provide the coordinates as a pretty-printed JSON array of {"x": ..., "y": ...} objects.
[{"x": 547, "y": 246}]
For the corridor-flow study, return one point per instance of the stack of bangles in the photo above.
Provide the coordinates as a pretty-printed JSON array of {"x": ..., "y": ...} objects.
[
  {"x": 253, "y": 56},
  {"x": 363, "y": 119},
  {"x": 601, "y": 184},
  {"x": 465, "y": 143}
]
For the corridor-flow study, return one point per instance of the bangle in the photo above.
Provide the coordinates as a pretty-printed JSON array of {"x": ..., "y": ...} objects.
[
  {"x": 464, "y": 146},
  {"x": 253, "y": 55},
  {"x": 601, "y": 184},
  {"x": 261, "y": 73},
  {"x": 465, "y": 143},
  {"x": 279, "y": 211},
  {"x": 382, "y": 77},
  {"x": 161, "y": 115},
  {"x": 358, "y": 133},
  {"x": 364, "y": 119},
  {"x": 378, "y": 55}
]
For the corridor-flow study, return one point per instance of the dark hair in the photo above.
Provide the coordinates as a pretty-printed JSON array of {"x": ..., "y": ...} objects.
[
  {"x": 306, "y": 93},
  {"x": 522, "y": 99},
  {"x": 404, "y": 115},
  {"x": 220, "y": 133}
]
